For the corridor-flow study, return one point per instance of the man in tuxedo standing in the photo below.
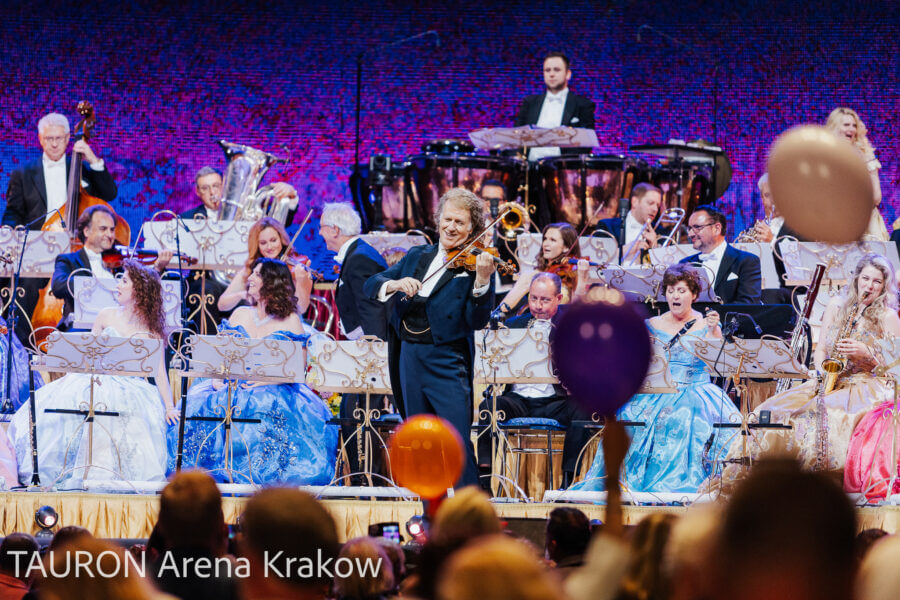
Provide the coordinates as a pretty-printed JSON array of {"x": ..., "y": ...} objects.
[
  {"x": 358, "y": 315},
  {"x": 39, "y": 188},
  {"x": 737, "y": 275},
  {"x": 436, "y": 310},
  {"x": 646, "y": 200},
  {"x": 557, "y": 105}
]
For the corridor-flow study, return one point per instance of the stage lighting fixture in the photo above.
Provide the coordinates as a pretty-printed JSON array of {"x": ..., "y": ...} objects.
[{"x": 46, "y": 518}]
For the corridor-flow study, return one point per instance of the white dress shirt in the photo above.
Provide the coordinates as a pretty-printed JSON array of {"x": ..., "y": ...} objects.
[
  {"x": 211, "y": 215},
  {"x": 344, "y": 249},
  {"x": 536, "y": 390},
  {"x": 551, "y": 116},
  {"x": 775, "y": 224},
  {"x": 97, "y": 267},
  {"x": 55, "y": 182},
  {"x": 632, "y": 228},
  {"x": 339, "y": 259},
  {"x": 713, "y": 259}
]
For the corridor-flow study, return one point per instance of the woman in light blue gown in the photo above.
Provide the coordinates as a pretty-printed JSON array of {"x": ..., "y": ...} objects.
[
  {"x": 292, "y": 443},
  {"x": 674, "y": 450},
  {"x": 131, "y": 445}
]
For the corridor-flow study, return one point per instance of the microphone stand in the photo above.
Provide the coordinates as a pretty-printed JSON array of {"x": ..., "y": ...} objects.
[
  {"x": 356, "y": 177},
  {"x": 624, "y": 207}
]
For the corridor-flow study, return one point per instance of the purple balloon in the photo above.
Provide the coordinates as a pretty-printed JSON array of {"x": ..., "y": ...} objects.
[{"x": 601, "y": 353}]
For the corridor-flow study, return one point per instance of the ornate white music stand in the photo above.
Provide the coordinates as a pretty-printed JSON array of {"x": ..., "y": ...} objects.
[
  {"x": 644, "y": 283},
  {"x": 509, "y": 356},
  {"x": 672, "y": 254},
  {"x": 769, "y": 357},
  {"x": 235, "y": 359},
  {"x": 96, "y": 355},
  {"x": 92, "y": 294},
  {"x": 354, "y": 367},
  {"x": 800, "y": 259}
]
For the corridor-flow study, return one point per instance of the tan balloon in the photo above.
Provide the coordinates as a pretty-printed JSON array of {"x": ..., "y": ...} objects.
[{"x": 820, "y": 185}]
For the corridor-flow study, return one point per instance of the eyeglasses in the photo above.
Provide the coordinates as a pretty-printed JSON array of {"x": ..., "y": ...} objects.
[{"x": 698, "y": 228}]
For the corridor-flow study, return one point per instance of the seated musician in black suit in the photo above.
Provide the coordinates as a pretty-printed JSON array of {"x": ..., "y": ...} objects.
[
  {"x": 208, "y": 188},
  {"x": 548, "y": 401},
  {"x": 41, "y": 187},
  {"x": 556, "y": 105},
  {"x": 646, "y": 199},
  {"x": 96, "y": 228},
  {"x": 736, "y": 274}
]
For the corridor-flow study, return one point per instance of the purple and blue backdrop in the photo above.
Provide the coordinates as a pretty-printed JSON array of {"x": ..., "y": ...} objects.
[{"x": 168, "y": 80}]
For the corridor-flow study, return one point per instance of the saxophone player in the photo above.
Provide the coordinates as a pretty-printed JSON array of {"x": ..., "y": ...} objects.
[{"x": 865, "y": 311}]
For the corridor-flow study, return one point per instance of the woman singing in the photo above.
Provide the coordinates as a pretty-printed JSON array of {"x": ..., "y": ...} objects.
[
  {"x": 845, "y": 123},
  {"x": 866, "y": 311},
  {"x": 674, "y": 450},
  {"x": 559, "y": 241},
  {"x": 267, "y": 238},
  {"x": 292, "y": 443},
  {"x": 131, "y": 443}
]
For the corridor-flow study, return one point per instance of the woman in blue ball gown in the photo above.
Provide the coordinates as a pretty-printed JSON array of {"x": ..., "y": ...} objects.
[
  {"x": 292, "y": 443},
  {"x": 674, "y": 451},
  {"x": 130, "y": 445}
]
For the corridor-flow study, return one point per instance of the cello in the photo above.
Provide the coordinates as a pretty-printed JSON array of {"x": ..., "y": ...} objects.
[{"x": 49, "y": 309}]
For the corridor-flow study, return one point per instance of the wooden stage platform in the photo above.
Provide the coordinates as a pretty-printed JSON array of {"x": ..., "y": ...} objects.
[{"x": 133, "y": 515}]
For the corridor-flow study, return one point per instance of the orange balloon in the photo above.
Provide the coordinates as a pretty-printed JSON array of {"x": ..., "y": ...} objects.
[{"x": 426, "y": 455}]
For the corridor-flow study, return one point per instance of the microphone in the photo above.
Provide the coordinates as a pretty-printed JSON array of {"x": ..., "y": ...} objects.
[
  {"x": 495, "y": 207},
  {"x": 729, "y": 329},
  {"x": 749, "y": 317},
  {"x": 681, "y": 332},
  {"x": 624, "y": 207},
  {"x": 437, "y": 38},
  {"x": 644, "y": 26},
  {"x": 497, "y": 314}
]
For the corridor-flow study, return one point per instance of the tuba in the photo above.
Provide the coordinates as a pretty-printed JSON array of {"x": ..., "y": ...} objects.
[{"x": 242, "y": 198}]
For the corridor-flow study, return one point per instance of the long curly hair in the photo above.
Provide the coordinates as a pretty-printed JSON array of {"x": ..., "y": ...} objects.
[
  {"x": 862, "y": 139},
  {"x": 277, "y": 289},
  {"x": 253, "y": 239},
  {"x": 570, "y": 243},
  {"x": 873, "y": 317},
  {"x": 147, "y": 292}
]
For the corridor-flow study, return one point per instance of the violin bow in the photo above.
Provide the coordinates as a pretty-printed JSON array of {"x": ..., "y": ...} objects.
[
  {"x": 290, "y": 246},
  {"x": 471, "y": 243}
]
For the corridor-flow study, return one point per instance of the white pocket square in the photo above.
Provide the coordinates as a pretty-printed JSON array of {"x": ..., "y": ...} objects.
[
  {"x": 574, "y": 120},
  {"x": 460, "y": 275},
  {"x": 731, "y": 276}
]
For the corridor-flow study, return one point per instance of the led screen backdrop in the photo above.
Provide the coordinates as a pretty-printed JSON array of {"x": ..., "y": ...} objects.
[{"x": 167, "y": 81}]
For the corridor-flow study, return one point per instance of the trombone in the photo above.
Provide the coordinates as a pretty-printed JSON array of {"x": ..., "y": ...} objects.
[{"x": 671, "y": 217}]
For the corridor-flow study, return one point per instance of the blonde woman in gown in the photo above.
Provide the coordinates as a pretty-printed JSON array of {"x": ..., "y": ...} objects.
[
  {"x": 869, "y": 304},
  {"x": 845, "y": 123}
]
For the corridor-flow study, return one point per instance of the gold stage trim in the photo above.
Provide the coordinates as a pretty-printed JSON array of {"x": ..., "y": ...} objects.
[{"x": 133, "y": 516}]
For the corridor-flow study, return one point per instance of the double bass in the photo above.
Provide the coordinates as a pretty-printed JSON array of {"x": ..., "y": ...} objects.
[{"x": 49, "y": 309}]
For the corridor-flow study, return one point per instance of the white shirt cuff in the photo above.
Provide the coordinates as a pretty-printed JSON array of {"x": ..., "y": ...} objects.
[
  {"x": 97, "y": 166},
  {"x": 480, "y": 290},
  {"x": 382, "y": 293}
]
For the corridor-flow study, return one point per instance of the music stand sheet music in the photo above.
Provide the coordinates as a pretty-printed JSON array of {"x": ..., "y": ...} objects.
[
  {"x": 513, "y": 356},
  {"x": 675, "y": 253},
  {"x": 889, "y": 357},
  {"x": 41, "y": 250},
  {"x": 596, "y": 248},
  {"x": 800, "y": 259},
  {"x": 659, "y": 378},
  {"x": 644, "y": 283},
  {"x": 767, "y": 357},
  {"x": 83, "y": 352},
  {"x": 255, "y": 359},
  {"x": 217, "y": 245},
  {"x": 383, "y": 241},
  {"x": 351, "y": 366},
  {"x": 92, "y": 294}
]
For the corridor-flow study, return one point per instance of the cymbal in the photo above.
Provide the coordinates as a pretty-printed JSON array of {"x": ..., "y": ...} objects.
[
  {"x": 676, "y": 149},
  {"x": 529, "y": 136}
]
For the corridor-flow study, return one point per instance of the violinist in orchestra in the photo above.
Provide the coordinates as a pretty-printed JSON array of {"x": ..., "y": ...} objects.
[
  {"x": 559, "y": 250},
  {"x": 640, "y": 235},
  {"x": 39, "y": 188},
  {"x": 95, "y": 229},
  {"x": 736, "y": 275},
  {"x": 267, "y": 238},
  {"x": 537, "y": 400},
  {"x": 436, "y": 307}
]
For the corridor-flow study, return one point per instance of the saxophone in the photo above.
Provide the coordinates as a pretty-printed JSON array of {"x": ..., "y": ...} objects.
[{"x": 836, "y": 364}]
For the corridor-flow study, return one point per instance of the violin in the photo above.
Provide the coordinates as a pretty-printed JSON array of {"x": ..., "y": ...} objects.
[
  {"x": 295, "y": 259},
  {"x": 465, "y": 258},
  {"x": 116, "y": 256}
]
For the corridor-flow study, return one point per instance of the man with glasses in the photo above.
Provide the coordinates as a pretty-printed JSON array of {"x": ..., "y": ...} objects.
[
  {"x": 39, "y": 188},
  {"x": 736, "y": 274}
]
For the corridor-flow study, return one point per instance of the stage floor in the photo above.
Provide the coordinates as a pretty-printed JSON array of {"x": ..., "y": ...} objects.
[{"x": 133, "y": 515}]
